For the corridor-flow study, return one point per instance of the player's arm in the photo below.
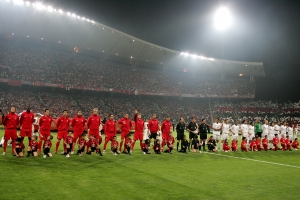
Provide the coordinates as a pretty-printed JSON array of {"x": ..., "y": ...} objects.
[
  {"x": 208, "y": 129},
  {"x": 21, "y": 119}
]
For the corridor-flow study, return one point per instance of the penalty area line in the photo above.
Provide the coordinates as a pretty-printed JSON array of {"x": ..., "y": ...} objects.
[{"x": 273, "y": 163}]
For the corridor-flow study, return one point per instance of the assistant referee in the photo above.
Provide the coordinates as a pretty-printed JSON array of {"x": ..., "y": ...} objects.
[
  {"x": 203, "y": 129},
  {"x": 180, "y": 131}
]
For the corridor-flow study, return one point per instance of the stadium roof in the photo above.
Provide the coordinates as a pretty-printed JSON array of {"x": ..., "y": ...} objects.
[{"x": 27, "y": 22}]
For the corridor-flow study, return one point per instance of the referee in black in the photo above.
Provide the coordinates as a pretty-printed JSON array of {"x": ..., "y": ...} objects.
[
  {"x": 180, "y": 131},
  {"x": 203, "y": 130},
  {"x": 192, "y": 127}
]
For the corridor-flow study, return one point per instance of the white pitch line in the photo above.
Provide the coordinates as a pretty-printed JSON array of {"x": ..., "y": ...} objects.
[{"x": 253, "y": 160}]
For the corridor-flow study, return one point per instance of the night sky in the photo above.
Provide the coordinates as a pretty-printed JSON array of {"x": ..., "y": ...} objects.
[{"x": 265, "y": 30}]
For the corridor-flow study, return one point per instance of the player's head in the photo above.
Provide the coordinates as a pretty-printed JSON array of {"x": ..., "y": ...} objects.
[
  {"x": 226, "y": 141},
  {"x": 258, "y": 120},
  {"x": 127, "y": 136},
  {"x": 153, "y": 116},
  {"x": 13, "y": 109},
  {"x": 79, "y": 113},
  {"x": 114, "y": 138},
  {"x": 287, "y": 137},
  {"x": 47, "y": 112},
  {"x": 252, "y": 123},
  {"x": 195, "y": 137},
  {"x": 65, "y": 113},
  {"x": 168, "y": 118},
  {"x": 272, "y": 123},
  {"x": 253, "y": 138},
  {"x": 226, "y": 121},
  {"x": 95, "y": 111},
  {"x": 19, "y": 140},
  {"x": 34, "y": 138},
  {"x": 296, "y": 139},
  {"x": 193, "y": 119},
  {"x": 243, "y": 138},
  {"x": 244, "y": 121},
  {"x": 111, "y": 116},
  {"x": 83, "y": 135},
  {"x": 136, "y": 111},
  {"x": 157, "y": 141},
  {"x": 266, "y": 121},
  {"x": 147, "y": 141},
  {"x": 217, "y": 120},
  {"x": 284, "y": 123},
  {"x": 233, "y": 140},
  {"x": 139, "y": 116},
  {"x": 181, "y": 119},
  {"x": 70, "y": 133},
  {"x": 91, "y": 136},
  {"x": 267, "y": 136},
  {"x": 276, "y": 135},
  {"x": 184, "y": 137},
  {"x": 278, "y": 123},
  {"x": 50, "y": 137},
  {"x": 257, "y": 138},
  {"x": 126, "y": 116},
  {"x": 211, "y": 137},
  {"x": 204, "y": 121},
  {"x": 236, "y": 122},
  {"x": 28, "y": 108},
  {"x": 147, "y": 120},
  {"x": 283, "y": 135}
]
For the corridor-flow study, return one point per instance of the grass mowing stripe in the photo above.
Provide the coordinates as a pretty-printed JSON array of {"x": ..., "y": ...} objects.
[{"x": 254, "y": 160}]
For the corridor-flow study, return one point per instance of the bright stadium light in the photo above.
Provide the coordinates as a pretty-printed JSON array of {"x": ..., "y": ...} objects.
[
  {"x": 50, "y": 9},
  {"x": 60, "y": 11},
  {"x": 27, "y": 3},
  {"x": 18, "y": 2},
  {"x": 222, "y": 18},
  {"x": 39, "y": 6}
]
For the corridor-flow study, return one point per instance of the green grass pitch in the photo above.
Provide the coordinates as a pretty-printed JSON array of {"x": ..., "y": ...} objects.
[{"x": 177, "y": 176}]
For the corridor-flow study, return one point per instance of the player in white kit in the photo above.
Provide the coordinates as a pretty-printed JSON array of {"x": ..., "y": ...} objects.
[
  {"x": 277, "y": 129},
  {"x": 251, "y": 131},
  {"x": 225, "y": 132},
  {"x": 245, "y": 130},
  {"x": 283, "y": 129},
  {"x": 146, "y": 131},
  {"x": 216, "y": 131},
  {"x": 234, "y": 129},
  {"x": 290, "y": 131},
  {"x": 265, "y": 129},
  {"x": 271, "y": 135}
]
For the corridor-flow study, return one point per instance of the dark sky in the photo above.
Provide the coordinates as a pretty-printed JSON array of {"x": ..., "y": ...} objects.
[{"x": 265, "y": 30}]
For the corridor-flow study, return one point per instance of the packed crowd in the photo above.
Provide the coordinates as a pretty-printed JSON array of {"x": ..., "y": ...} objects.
[{"x": 34, "y": 64}]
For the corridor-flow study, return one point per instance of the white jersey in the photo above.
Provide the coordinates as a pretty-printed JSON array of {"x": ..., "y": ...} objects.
[
  {"x": 245, "y": 128},
  {"x": 277, "y": 129},
  {"x": 290, "y": 130},
  {"x": 283, "y": 129},
  {"x": 225, "y": 128},
  {"x": 251, "y": 130},
  {"x": 265, "y": 129},
  {"x": 146, "y": 126},
  {"x": 235, "y": 129},
  {"x": 217, "y": 126},
  {"x": 272, "y": 130},
  {"x": 145, "y": 135}
]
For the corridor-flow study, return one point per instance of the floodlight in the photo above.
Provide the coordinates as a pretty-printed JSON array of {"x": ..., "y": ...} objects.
[
  {"x": 49, "y": 8},
  {"x": 60, "y": 11},
  {"x": 39, "y": 6},
  {"x": 222, "y": 18},
  {"x": 18, "y": 2},
  {"x": 27, "y": 3}
]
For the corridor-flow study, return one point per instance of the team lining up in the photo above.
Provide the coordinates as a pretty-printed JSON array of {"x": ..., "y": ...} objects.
[{"x": 273, "y": 135}]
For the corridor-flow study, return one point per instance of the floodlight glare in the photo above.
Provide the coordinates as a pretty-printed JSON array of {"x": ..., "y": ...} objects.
[
  {"x": 222, "y": 18},
  {"x": 60, "y": 11},
  {"x": 18, "y": 2},
  {"x": 39, "y": 6},
  {"x": 27, "y": 3},
  {"x": 49, "y": 8}
]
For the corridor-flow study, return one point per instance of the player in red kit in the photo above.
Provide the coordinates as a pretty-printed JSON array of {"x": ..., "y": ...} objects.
[
  {"x": 19, "y": 150},
  {"x": 234, "y": 145},
  {"x": 10, "y": 122},
  {"x": 153, "y": 127},
  {"x": 33, "y": 147},
  {"x": 283, "y": 142},
  {"x": 170, "y": 143},
  {"x": 275, "y": 142},
  {"x": 128, "y": 144},
  {"x": 165, "y": 129},
  {"x": 244, "y": 144},
  {"x": 126, "y": 125},
  {"x": 62, "y": 127},
  {"x": 253, "y": 146},
  {"x": 93, "y": 124},
  {"x": 288, "y": 143},
  {"x": 45, "y": 127},
  {"x": 258, "y": 144},
  {"x": 81, "y": 145},
  {"x": 26, "y": 122},
  {"x": 114, "y": 146},
  {"x": 265, "y": 143},
  {"x": 139, "y": 129},
  {"x": 109, "y": 130},
  {"x": 68, "y": 141},
  {"x": 157, "y": 146},
  {"x": 47, "y": 147},
  {"x": 93, "y": 144},
  {"x": 78, "y": 124},
  {"x": 226, "y": 147},
  {"x": 295, "y": 144},
  {"x": 146, "y": 147}
]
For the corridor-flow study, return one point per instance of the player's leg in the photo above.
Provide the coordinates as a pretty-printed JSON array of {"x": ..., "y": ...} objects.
[{"x": 123, "y": 134}]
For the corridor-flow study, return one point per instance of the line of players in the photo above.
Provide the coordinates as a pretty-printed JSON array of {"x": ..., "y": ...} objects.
[{"x": 162, "y": 135}]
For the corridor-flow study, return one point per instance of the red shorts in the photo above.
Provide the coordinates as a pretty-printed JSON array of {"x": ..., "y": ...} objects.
[
  {"x": 138, "y": 136},
  {"x": 26, "y": 132},
  {"x": 165, "y": 136},
  {"x": 77, "y": 134},
  {"x": 108, "y": 137},
  {"x": 95, "y": 133},
  {"x": 62, "y": 135},
  {"x": 44, "y": 135},
  {"x": 10, "y": 134},
  {"x": 123, "y": 135}
]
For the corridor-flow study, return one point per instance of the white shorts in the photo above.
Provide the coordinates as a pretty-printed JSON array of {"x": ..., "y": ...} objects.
[
  {"x": 291, "y": 137},
  {"x": 216, "y": 136},
  {"x": 145, "y": 135},
  {"x": 279, "y": 136},
  {"x": 251, "y": 136},
  {"x": 236, "y": 136},
  {"x": 271, "y": 136},
  {"x": 225, "y": 136}
]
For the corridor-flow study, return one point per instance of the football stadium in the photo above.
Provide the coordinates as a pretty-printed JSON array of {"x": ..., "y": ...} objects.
[{"x": 91, "y": 111}]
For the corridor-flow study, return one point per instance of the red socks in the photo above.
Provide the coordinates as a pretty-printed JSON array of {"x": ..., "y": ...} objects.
[
  {"x": 57, "y": 145},
  {"x": 121, "y": 143},
  {"x": 132, "y": 146},
  {"x": 4, "y": 146}
]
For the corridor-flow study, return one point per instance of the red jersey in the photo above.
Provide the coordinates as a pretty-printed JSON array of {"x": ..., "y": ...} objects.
[
  {"x": 135, "y": 117},
  {"x": 33, "y": 145},
  {"x": 69, "y": 140},
  {"x": 275, "y": 140},
  {"x": 265, "y": 141},
  {"x": 257, "y": 142},
  {"x": 11, "y": 121},
  {"x": 253, "y": 144},
  {"x": 226, "y": 147},
  {"x": 125, "y": 124},
  {"x": 26, "y": 120},
  {"x": 78, "y": 123},
  {"x": 171, "y": 140},
  {"x": 282, "y": 141},
  {"x": 94, "y": 122},
  {"x": 287, "y": 141},
  {"x": 81, "y": 142},
  {"x": 20, "y": 146},
  {"x": 233, "y": 144},
  {"x": 48, "y": 143},
  {"x": 93, "y": 142},
  {"x": 63, "y": 123},
  {"x": 145, "y": 146},
  {"x": 166, "y": 127},
  {"x": 243, "y": 144},
  {"x": 139, "y": 125},
  {"x": 45, "y": 123},
  {"x": 153, "y": 125},
  {"x": 128, "y": 142},
  {"x": 156, "y": 147},
  {"x": 295, "y": 144},
  {"x": 114, "y": 144},
  {"x": 110, "y": 127}
]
